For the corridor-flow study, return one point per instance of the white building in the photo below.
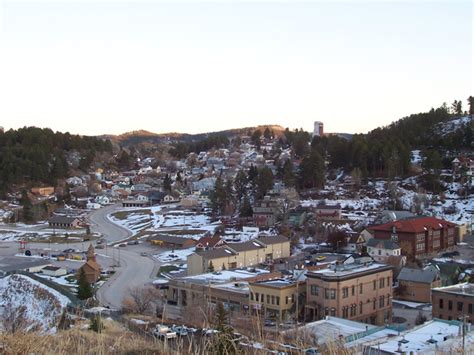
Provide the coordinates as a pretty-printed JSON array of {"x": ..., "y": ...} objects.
[{"x": 380, "y": 249}]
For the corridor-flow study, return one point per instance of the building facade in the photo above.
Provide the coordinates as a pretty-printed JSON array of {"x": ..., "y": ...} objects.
[
  {"x": 453, "y": 302},
  {"x": 238, "y": 255},
  {"x": 360, "y": 292},
  {"x": 419, "y": 237}
]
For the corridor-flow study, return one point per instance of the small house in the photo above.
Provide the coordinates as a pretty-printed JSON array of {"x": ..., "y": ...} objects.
[
  {"x": 63, "y": 222},
  {"x": 54, "y": 271}
]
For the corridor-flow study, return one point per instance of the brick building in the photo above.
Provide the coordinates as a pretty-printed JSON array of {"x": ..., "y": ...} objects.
[
  {"x": 452, "y": 302},
  {"x": 361, "y": 292},
  {"x": 418, "y": 237}
]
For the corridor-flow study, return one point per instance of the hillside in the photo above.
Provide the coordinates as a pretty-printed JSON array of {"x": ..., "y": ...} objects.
[{"x": 29, "y": 305}]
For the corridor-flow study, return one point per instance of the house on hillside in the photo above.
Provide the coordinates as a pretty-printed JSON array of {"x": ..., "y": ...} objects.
[
  {"x": 172, "y": 242},
  {"x": 355, "y": 243},
  {"x": 209, "y": 242},
  {"x": 327, "y": 212}
]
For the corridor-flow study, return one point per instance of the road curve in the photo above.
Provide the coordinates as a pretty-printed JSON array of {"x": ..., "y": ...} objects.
[{"x": 134, "y": 270}]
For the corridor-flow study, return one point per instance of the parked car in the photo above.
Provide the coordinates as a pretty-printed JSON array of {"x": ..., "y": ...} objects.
[
  {"x": 133, "y": 242},
  {"x": 144, "y": 253},
  {"x": 100, "y": 246},
  {"x": 122, "y": 245}
]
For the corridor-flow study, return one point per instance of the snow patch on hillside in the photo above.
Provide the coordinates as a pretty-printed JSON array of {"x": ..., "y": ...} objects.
[
  {"x": 453, "y": 125},
  {"x": 31, "y": 305}
]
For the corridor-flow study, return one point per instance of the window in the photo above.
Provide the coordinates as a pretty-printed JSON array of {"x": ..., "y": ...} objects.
[
  {"x": 273, "y": 299},
  {"x": 345, "y": 292},
  {"x": 361, "y": 305},
  {"x": 333, "y": 312},
  {"x": 388, "y": 281},
  {"x": 278, "y": 300},
  {"x": 388, "y": 299},
  {"x": 257, "y": 296},
  {"x": 326, "y": 293},
  {"x": 382, "y": 283},
  {"x": 314, "y": 290},
  {"x": 470, "y": 308},
  {"x": 374, "y": 303},
  {"x": 345, "y": 312},
  {"x": 333, "y": 294},
  {"x": 375, "y": 284},
  {"x": 361, "y": 288},
  {"x": 450, "y": 305},
  {"x": 326, "y": 311},
  {"x": 460, "y": 306},
  {"x": 353, "y": 290},
  {"x": 381, "y": 301},
  {"x": 268, "y": 299},
  {"x": 441, "y": 303},
  {"x": 286, "y": 300}
]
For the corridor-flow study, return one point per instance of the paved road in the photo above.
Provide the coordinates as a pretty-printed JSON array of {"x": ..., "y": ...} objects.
[{"x": 134, "y": 270}]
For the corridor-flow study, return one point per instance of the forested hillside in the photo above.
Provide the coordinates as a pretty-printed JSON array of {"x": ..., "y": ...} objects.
[{"x": 36, "y": 155}]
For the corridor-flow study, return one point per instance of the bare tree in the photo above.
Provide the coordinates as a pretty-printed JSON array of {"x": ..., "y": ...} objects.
[{"x": 140, "y": 300}]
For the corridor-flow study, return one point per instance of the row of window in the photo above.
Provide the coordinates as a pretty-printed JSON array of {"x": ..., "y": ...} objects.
[
  {"x": 459, "y": 306},
  {"x": 351, "y": 311},
  {"x": 270, "y": 299},
  {"x": 330, "y": 293}
]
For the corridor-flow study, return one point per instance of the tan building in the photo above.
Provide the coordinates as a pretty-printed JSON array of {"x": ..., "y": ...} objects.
[
  {"x": 43, "y": 191},
  {"x": 276, "y": 299},
  {"x": 360, "y": 292},
  {"x": 452, "y": 302},
  {"x": 238, "y": 255},
  {"x": 415, "y": 284},
  {"x": 91, "y": 267},
  {"x": 229, "y": 287}
]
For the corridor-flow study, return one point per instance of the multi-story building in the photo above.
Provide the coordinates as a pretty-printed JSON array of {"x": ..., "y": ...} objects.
[
  {"x": 265, "y": 213},
  {"x": 276, "y": 299},
  {"x": 418, "y": 237},
  {"x": 238, "y": 255},
  {"x": 358, "y": 291},
  {"x": 453, "y": 302}
]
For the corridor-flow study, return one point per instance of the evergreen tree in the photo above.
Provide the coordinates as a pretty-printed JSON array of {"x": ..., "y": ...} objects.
[
  {"x": 470, "y": 102},
  {"x": 84, "y": 289},
  {"x": 218, "y": 197},
  {"x": 223, "y": 341},
  {"x": 210, "y": 267},
  {"x": 240, "y": 185},
  {"x": 27, "y": 206},
  {"x": 246, "y": 208},
  {"x": 311, "y": 171},
  {"x": 288, "y": 175},
  {"x": 256, "y": 138},
  {"x": 267, "y": 134},
  {"x": 264, "y": 182},
  {"x": 167, "y": 184}
]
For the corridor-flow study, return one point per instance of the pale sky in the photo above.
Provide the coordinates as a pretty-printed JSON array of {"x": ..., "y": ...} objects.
[{"x": 92, "y": 67}]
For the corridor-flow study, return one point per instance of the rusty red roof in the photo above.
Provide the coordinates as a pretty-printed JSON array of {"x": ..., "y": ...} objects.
[{"x": 414, "y": 225}]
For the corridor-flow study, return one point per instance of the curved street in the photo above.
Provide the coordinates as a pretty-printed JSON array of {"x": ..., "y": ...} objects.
[{"x": 133, "y": 269}]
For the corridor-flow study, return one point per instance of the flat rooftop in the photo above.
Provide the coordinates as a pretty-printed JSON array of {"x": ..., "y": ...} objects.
[
  {"x": 466, "y": 289},
  {"x": 223, "y": 276},
  {"x": 348, "y": 269}
]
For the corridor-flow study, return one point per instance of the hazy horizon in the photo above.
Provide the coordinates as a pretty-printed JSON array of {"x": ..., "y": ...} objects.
[{"x": 111, "y": 67}]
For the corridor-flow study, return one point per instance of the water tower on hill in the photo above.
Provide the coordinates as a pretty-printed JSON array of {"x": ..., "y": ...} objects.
[{"x": 318, "y": 129}]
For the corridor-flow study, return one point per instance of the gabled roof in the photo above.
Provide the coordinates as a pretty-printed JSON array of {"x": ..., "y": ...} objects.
[
  {"x": 209, "y": 241},
  {"x": 62, "y": 219},
  {"x": 427, "y": 275},
  {"x": 269, "y": 240},
  {"x": 414, "y": 225},
  {"x": 382, "y": 244}
]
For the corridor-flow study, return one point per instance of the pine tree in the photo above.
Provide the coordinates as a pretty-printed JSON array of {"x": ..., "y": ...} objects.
[
  {"x": 167, "y": 183},
  {"x": 264, "y": 181},
  {"x": 27, "y": 206},
  {"x": 223, "y": 341},
  {"x": 246, "y": 208},
  {"x": 84, "y": 289},
  {"x": 210, "y": 268}
]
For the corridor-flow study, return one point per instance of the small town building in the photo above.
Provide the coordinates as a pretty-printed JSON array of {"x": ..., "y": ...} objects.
[
  {"x": 324, "y": 212},
  {"x": 209, "y": 242},
  {"x": 415, "y": 284},
  {"x": 419, "y": 237},
  {"x": 357, "y": 291},
  {"x": 64, "y": 222},
  {"x": 382, "y": 249},
  {"x": 91, "y": 268},
  {"x": 54, "y": 271},
  {"x": 453, "y": 302},
  {"x": 135, "y": 203},
  {"x": 42, "y": 191}
]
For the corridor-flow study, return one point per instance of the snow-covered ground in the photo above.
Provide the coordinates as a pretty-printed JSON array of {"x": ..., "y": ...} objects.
[
  {"x": 32, "y": 305},
  {"x": 174, "y": 255},
  {"x": 453, "y": 125}
]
